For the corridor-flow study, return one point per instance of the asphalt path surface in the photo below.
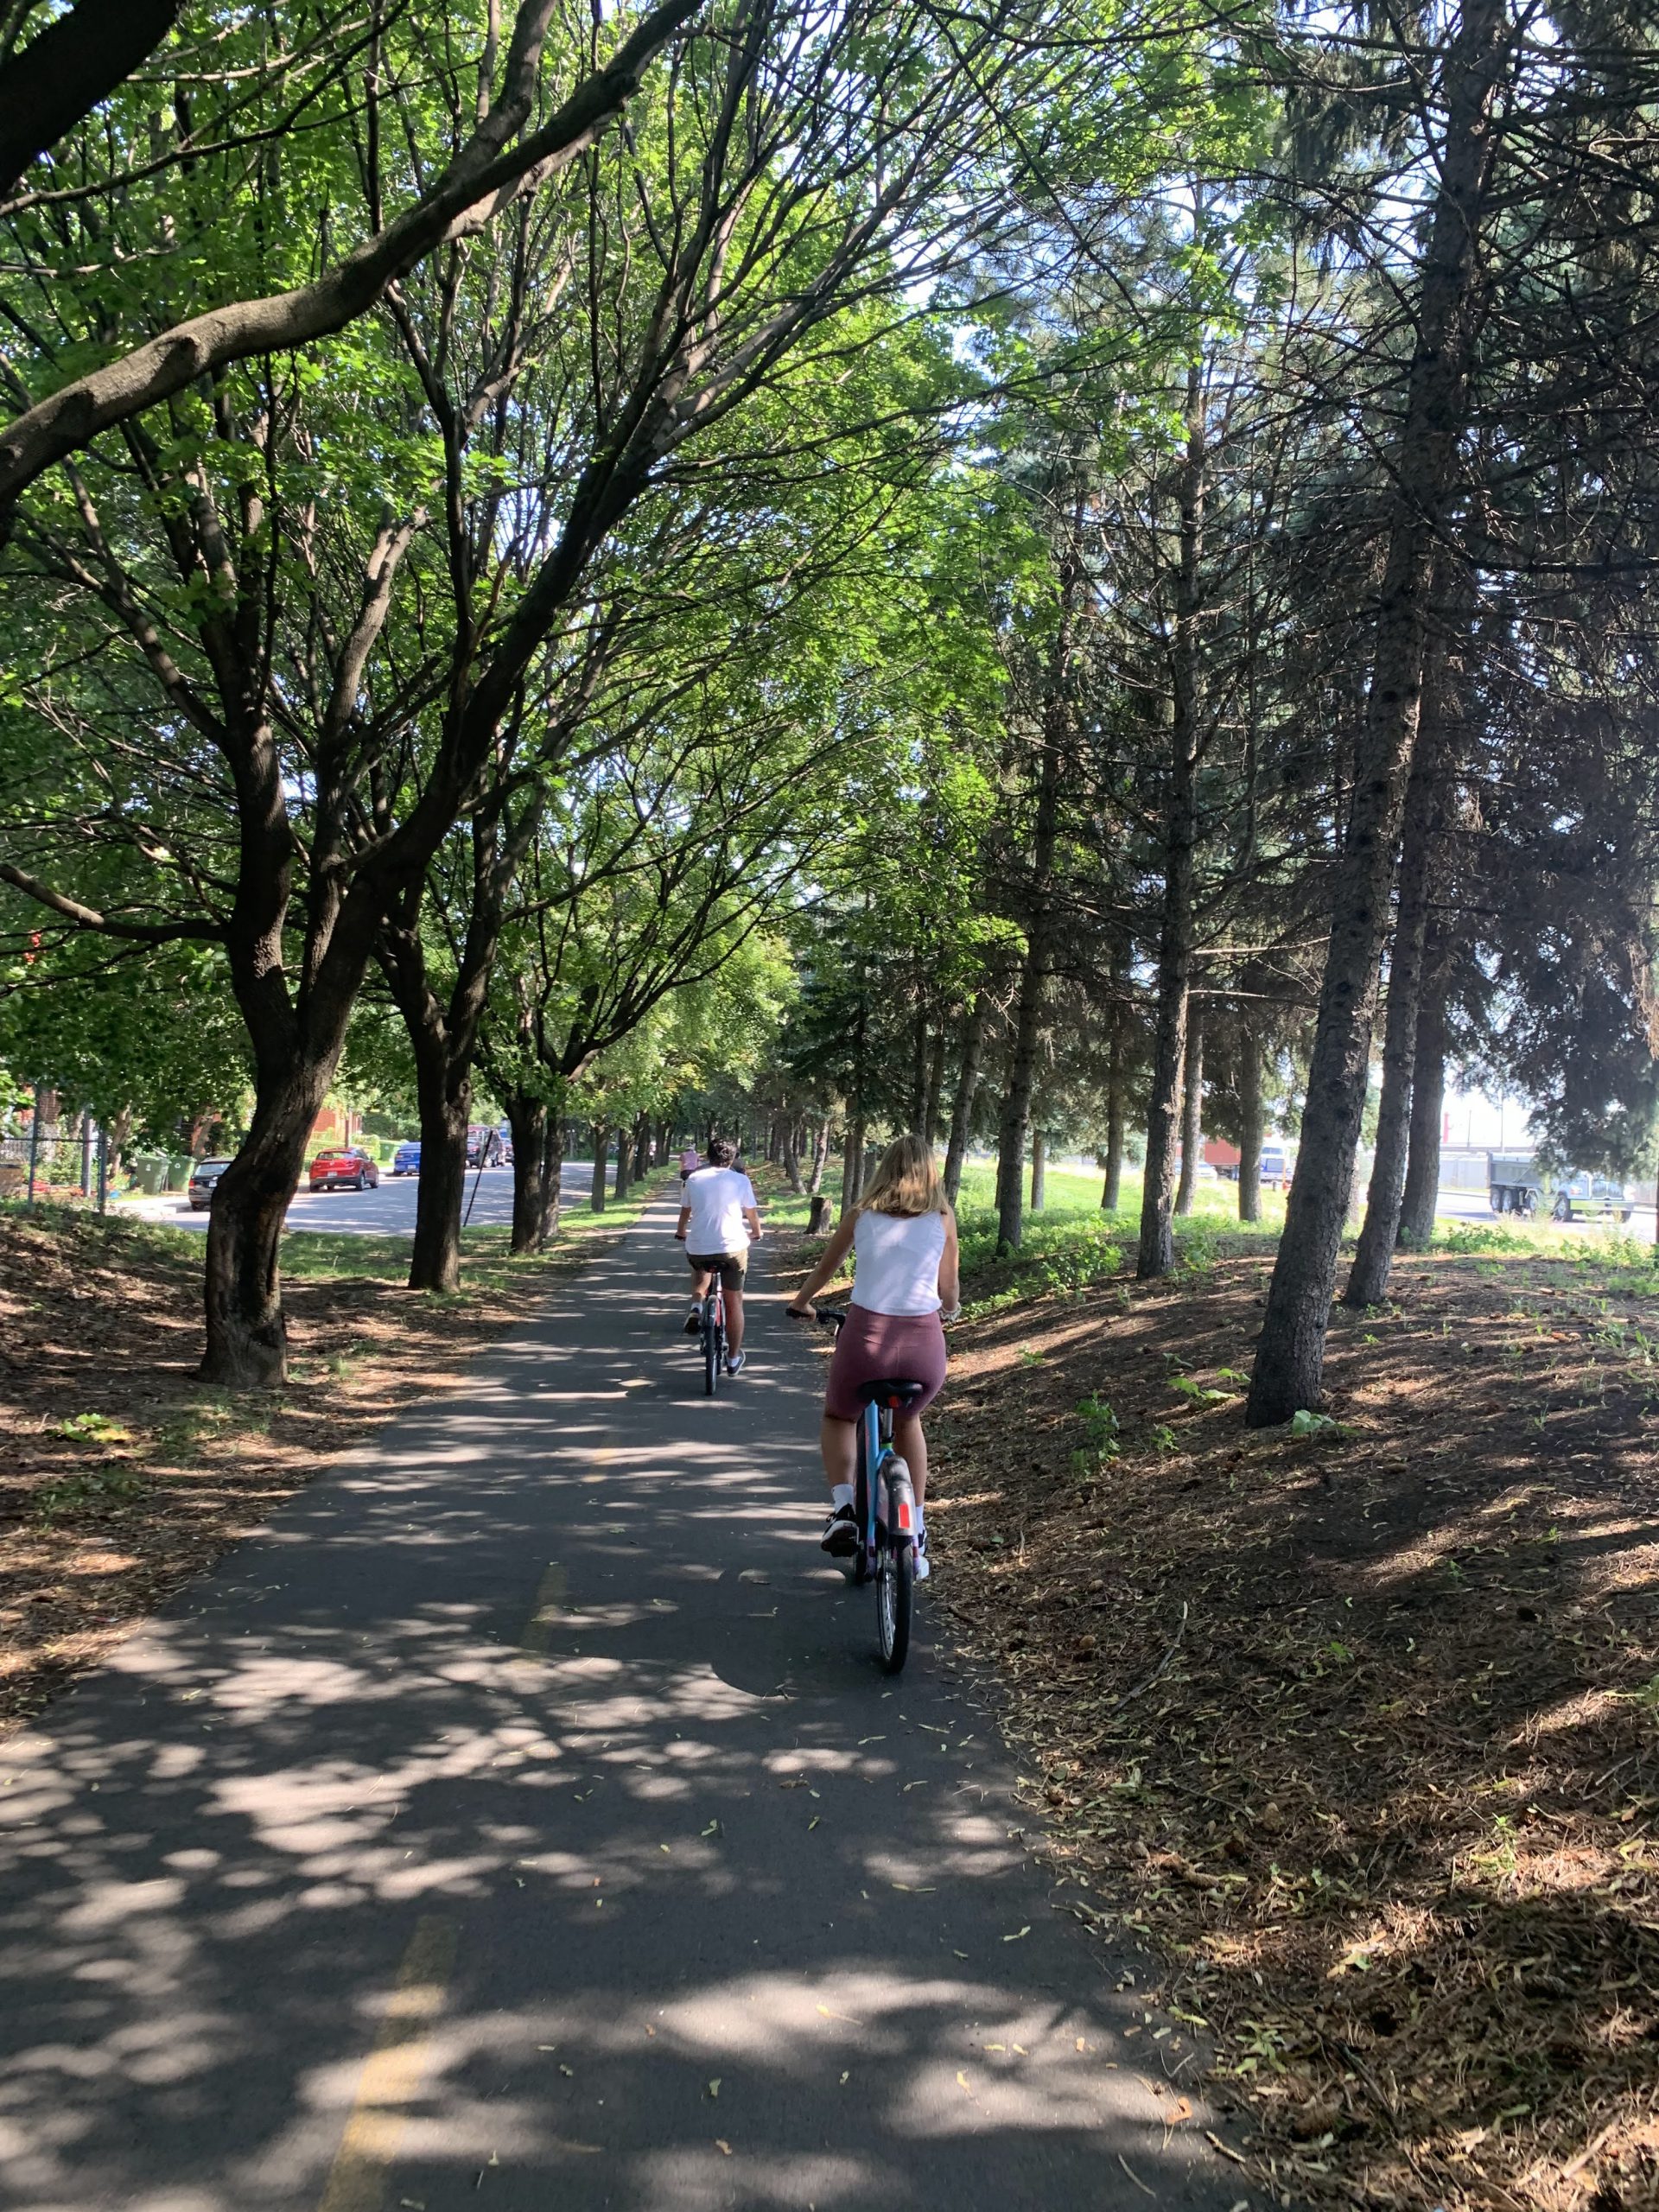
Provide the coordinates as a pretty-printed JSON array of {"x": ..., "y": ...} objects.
[
  {"x": 389, "y": 1210},
  {"x": 523, "y": 1822}
]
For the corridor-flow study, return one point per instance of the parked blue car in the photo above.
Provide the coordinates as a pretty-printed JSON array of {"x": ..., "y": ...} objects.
[{"x": 406, "y": 1160}]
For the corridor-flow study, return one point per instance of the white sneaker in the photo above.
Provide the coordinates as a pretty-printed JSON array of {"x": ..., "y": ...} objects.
[{"x": 923, "y": 1570}]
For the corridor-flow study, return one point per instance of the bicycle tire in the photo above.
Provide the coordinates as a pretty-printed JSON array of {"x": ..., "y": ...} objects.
[
  {"x": 895, "y": 1599},
  {"x": 711, "y": 1349}
]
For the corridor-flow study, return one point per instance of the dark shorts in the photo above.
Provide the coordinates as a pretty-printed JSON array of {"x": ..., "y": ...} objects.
[
  {"x": 728, "y": 1265},
  {"x": 882, "y": 1348}
]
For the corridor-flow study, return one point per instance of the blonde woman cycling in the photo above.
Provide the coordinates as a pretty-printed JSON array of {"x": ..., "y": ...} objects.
[{"x": 902, "y": 1235}]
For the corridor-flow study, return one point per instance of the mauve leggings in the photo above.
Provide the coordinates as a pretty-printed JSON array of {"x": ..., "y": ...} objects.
[{"x": 884, "y": 1348}]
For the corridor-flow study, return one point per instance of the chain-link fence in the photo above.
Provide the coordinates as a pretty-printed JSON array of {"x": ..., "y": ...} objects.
[{"x": 64, "y": 1164}]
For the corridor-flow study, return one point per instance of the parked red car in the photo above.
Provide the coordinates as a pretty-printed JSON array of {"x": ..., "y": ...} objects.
[{"x": 346, "y": 1169}]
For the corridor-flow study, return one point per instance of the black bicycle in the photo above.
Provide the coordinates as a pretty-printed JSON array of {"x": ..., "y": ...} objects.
[
  {"x": 884, "y": 1510},
  {"x": 713, "y": 1339}
]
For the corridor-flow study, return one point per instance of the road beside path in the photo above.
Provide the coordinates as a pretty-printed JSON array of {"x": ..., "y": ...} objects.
[
  {"x": 388, "y": 1211},
  {"x": 523, "y": 1822}
]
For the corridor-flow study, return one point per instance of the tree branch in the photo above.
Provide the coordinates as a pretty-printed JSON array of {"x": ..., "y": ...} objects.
[
  {"x": 481, "y": 179},
  {"x": 88, "y": 917}
]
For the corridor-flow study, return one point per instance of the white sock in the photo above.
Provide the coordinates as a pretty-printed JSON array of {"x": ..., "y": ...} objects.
[{"x": 842, "y": 1494}]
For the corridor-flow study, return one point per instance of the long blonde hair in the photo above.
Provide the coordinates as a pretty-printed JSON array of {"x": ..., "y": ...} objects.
[{"x": 906, "y": 1182}]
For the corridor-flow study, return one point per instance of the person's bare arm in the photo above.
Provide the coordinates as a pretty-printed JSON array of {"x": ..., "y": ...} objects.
[
  {"x": 685, "y": 1223},
  {"x": 751, "y": 1216},
  {"x": 827, "y": 1268},
  {"x": 950, "y": 1269}
]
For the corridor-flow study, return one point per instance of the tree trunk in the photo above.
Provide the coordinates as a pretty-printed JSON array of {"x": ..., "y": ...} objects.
[
  {"x": 440, "y": 1193},
  {"x": 1039, "y": 1170},
  {"x": 641, "y": 1148},
  {"x": 1422, "y": 1191},
  {"x": 852, "y": 1167},
  {"x": 820, "y": 1157},
  {"x": 1291, "y": 1355},
  {"x": 443, "y": 1089},
  {"x": 624, "y": 1164},
  {"x": 1156, "y": 1255},
  {"x": 930, "y": 1129},
  {"x": 527, "y": 1119},
  {"x": 444, "y": 1033},
  {"x": 1111, "y": 1191},
  {"x": 1022, "y": 1058},
  {"x": 247, "y": 1332},
  {"x": 918, "y": 1056},
  {"x": 553, "y": 1150},
  {"x": 962, "y": 1111},
  {"x": 601, "y": 1136},
  {"x": 792, "y": 1156},
  {"x": 1192, "y": 1114},
  {"x": 118, "y": 1135},
  {"x": 1251, "y": 1114},
  {"x": 1368, "y": 1280}
]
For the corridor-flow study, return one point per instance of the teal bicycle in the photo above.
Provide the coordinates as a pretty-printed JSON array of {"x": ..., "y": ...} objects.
[{"x": 884, "y": 1510}]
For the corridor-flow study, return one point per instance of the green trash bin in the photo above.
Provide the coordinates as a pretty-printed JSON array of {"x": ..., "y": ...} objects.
[
  {"x": 178, "y": 1171},
  {"x": 151, "y": 1168}
]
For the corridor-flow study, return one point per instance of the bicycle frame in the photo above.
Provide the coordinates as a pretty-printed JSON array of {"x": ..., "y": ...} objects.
[
  {"x": 884, "y": 1511},
  {"x": 876, "y": 1453}
]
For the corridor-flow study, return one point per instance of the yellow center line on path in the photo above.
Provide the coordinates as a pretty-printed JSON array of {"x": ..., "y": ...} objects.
[
  {"x": 552, "y": 1591},
  {"x": 550, "y": 1603},
  {"x": 392, "y": 2073}
]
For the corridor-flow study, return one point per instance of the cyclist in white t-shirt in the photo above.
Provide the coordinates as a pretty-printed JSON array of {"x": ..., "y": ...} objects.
[{"x": 718, "y": 1222}]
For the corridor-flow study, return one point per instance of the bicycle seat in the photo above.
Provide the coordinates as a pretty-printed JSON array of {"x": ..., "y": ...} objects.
[{"x": 896, "y": 1391}]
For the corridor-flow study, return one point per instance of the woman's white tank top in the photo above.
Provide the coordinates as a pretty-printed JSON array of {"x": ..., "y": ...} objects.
[{"x": 898, "y": 1256}]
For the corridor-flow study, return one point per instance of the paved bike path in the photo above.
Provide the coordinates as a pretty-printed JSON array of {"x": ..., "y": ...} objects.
[{"x": 522, "y": 1822}]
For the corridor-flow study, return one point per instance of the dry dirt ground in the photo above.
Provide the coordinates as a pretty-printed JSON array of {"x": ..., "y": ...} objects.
[
  {"x": 121, "y": 1476},
  {"x": 1361, "y": 1725}
]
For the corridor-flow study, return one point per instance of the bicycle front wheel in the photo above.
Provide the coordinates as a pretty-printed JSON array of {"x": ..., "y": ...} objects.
[{"x": 712, "y": 1348}]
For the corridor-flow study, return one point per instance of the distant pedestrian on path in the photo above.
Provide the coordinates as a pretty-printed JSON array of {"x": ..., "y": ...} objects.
[
  {"x": 908, "y": 1276},
  {"x": 719, "y": 1221},
  {"x": 690, "y": 1162}
]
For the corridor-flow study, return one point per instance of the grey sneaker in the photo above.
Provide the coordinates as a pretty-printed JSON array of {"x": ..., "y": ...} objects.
[
  {"x": 734, "y": 1363},
  {"x": 840, "y": 1537}
]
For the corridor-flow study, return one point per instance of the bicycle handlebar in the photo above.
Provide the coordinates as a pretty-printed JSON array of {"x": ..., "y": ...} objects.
[{"x": 827, "y": 1317}]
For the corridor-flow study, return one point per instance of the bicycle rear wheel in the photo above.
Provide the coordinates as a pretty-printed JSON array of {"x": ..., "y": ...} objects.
[
  {"x": 895, "y": 1593},
  {"x": 895, "y": 1564}
]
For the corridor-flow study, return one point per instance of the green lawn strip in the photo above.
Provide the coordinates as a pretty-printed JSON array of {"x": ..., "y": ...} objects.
[{"x": 783, "y": 1208}]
